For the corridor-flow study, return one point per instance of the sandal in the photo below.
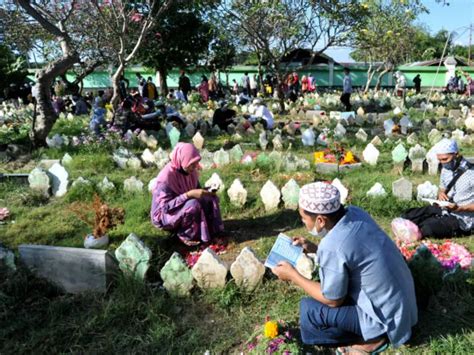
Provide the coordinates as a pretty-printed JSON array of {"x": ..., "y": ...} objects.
[{"x": 350, "y": 349}]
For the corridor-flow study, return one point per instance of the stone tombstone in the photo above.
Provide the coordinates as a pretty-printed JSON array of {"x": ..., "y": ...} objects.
[
  {"x": 105, "y": 185},
  {"x": 74, "y": 270},
  {"x": 176, "y": 276},
  {"x": 231, "y": 129},
  {"x": 340, "y": 131},
  {"x": 427, "y": 125},
  {"x": 133, "y": 185},
  {"x": 151, "y": 184},
  {"x": 66, "y": 160},
  {"x": 174, "y": 136},
  {"x": 39, "y": 181},
  {"x": 376, "y": 141},
  {"x": 270, "y": 196},
  {"x": 48, "y": 163},
  {"x": 377, "y": 190},
  {"x": 60, "y": 180},
  {"x": 161, "y": 158},
  {"x": 388, "y": 126},
  {"x": 190, "y": 130},
  {"x": 198, "y": 140},
  {"x": 434, "y": 136},
  {"x": 124, "y": 158},
  {"x": 134, "y": 163},
  {"x": 148, "y": 158},
  {"x": 221, "y": 158},
  {"x": 290, "y": 194},
  {"x": 276, "y": 157},
  {"x": 360, "y": 111},
  {"x": 469, "y": 122},
  {"x": 397, "y": 111},
  {"x": 236, "y": 154},
  {"x": 215, "y": 181},
  {"x": 457, "y": 135},
  {"x": 454, "y": 114},
  {"x": 134, "y": 257},
  {"x": 308, "y": 137},
  {"x": 247, "y": 270},
  {"x": 343, "y": 191},
  {"x": 290, "y": 163},
  {"x": 371, "y": 154},
  {"x": 80, "y": 181},
  {"x": 405, "y": 125},
  {"x": 426, "y": 190},
  {"x": 209, "y": 271},
  {"x": 399, "y": 154},
  {"x": 277, "y": 142},
  {"x": 207, "y": 159},
  {"x": 305, "y": 266},
  {"x": 417, "y": 156},
  {"x": 361, "y": 135},
  {"x": 237, "y": 193},
  {"x": 402, "y": 189},
  {"x": 412, "y": 139},
  {"x": 433, "y": 162},
  {"x": 262, "y": 140},
  {"x": 216, "y": 130}
]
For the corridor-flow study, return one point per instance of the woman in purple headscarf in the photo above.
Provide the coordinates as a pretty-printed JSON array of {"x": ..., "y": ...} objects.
[{"x": 179, "y": 204}]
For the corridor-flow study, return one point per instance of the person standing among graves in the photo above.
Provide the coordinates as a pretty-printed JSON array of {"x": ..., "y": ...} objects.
[
  {"x": 180, "y": 205},
  {"x": 124, "y": 84},
  {"x": 212, "y": 84},
  {"x": 417, "y": 82},
  {"x": 150, "y": 90},
  {"x": 141, "y": 84},
  {"x": 184, "y": 84},
  {"x": 346, "y": 89},
  {"x": 253, "y": 85},
  {"x": 98, "y": 116},
  {"x": 311, "y": 83},
  {"x": 80, "y": 106},
  {"x": 366, "y": 295},
  {"x": 246, "y": 83},
  {"x": 456, "y": 187},
  {"x": 203, "y": 89}
]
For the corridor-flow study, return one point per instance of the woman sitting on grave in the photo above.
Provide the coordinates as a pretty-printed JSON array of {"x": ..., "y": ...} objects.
[
  {"x": 456, "y": 194},
  {"x": 366, "y": 297},
  {"x": 179, "y": 205}
]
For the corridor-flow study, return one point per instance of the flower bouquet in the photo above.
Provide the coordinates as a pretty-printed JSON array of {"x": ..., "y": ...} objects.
[
  {"x": 274, "y": 337},
  {"x": 335, "y": 155},
  {"x": 448, "y": 254}
]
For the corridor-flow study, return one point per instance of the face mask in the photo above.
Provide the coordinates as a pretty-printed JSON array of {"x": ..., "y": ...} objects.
[
  {"x": 451, "y": 165},
  {"x": 314, "y": 232}
]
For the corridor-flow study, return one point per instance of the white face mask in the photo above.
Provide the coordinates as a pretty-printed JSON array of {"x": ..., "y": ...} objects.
[{"x": 314, "y": 232}]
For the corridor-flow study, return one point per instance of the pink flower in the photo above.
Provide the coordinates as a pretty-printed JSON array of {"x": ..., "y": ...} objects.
[
  {"x": 136, "y": 17},
  {"x": 4, "y": 213}
]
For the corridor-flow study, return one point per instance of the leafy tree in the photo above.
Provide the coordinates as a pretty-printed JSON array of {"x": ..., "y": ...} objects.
[
  {"x": 384, "y": 37},
  {"x": 273, "y": 29},
  {"x": 12, "y": 68},
  {"x": 179, "y": 39}
]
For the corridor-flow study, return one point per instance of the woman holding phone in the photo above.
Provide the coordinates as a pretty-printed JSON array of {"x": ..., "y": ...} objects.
[{"x": 179, "y": 205}]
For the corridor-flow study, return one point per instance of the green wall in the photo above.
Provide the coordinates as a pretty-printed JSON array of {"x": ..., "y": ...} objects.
[{"x": 429, "y": 77}]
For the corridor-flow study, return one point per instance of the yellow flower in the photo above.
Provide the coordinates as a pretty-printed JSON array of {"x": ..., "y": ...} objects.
[
  {"x": 270, "y": 330},
  {"x": 349, "y": 158},
  {"x": 389, "y": 33},
  {"x": 319, "y": 157}
]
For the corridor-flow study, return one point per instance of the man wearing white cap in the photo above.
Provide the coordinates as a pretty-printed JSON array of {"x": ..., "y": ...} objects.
[
  {"x": 262, "y": 114},
  {"x": 366, "y": 296},
  {"x": 457, "y": 187}
]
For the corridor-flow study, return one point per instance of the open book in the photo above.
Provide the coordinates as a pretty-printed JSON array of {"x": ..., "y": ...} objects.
[
  {"x": 437, "y": 202},
  {"x": 283, "y": 250}
]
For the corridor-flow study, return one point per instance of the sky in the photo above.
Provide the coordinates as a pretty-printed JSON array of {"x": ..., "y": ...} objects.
[{"x": 456, "y": 17}]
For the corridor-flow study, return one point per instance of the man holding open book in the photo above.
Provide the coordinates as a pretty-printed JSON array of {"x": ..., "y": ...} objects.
[
  {"x": 366, "y": 297},
  {"x": 453, "y": 214}
]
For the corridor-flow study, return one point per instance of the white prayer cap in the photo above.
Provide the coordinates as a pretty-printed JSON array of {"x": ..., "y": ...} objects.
[
  {"x": 320, "y": 198},
  {"x": 446, "y": 146},
  {"x": 257, "y": 101}
]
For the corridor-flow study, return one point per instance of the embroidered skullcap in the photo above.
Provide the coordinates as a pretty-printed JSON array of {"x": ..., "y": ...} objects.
[
  {"x": 446, "y": 146},
  {"x": 319, "y": 198}
]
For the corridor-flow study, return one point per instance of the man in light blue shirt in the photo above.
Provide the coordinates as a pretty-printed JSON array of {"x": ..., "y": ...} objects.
[{"x": 366, "y": 297}]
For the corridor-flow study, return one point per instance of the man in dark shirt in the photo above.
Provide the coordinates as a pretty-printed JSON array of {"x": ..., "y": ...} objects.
[
  {"x": 184, "y": 85},
  {"x": 223, "y": 116},
  {"x": 417, "y": 82}
]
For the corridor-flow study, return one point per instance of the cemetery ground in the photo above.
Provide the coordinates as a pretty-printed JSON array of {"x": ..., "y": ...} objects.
[{"x": 141, "y": 317}]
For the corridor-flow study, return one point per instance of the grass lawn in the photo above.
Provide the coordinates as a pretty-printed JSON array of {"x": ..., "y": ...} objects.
[{"x": 136, "y": 317}]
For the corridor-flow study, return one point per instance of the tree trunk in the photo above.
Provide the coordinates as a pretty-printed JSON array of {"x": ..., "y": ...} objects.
[
  {"x": 280, "y": 93},
  {"x": 163, "y": 84},
  {"x": 116, "y": 86},
  {"x": 370, "y": 76},
  {"x": 379, "y": 78},
  {"x": 46, "y": 116}
]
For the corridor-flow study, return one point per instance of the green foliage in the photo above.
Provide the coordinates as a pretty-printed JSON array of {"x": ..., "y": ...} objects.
[{"x": 12, "y": 69}]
